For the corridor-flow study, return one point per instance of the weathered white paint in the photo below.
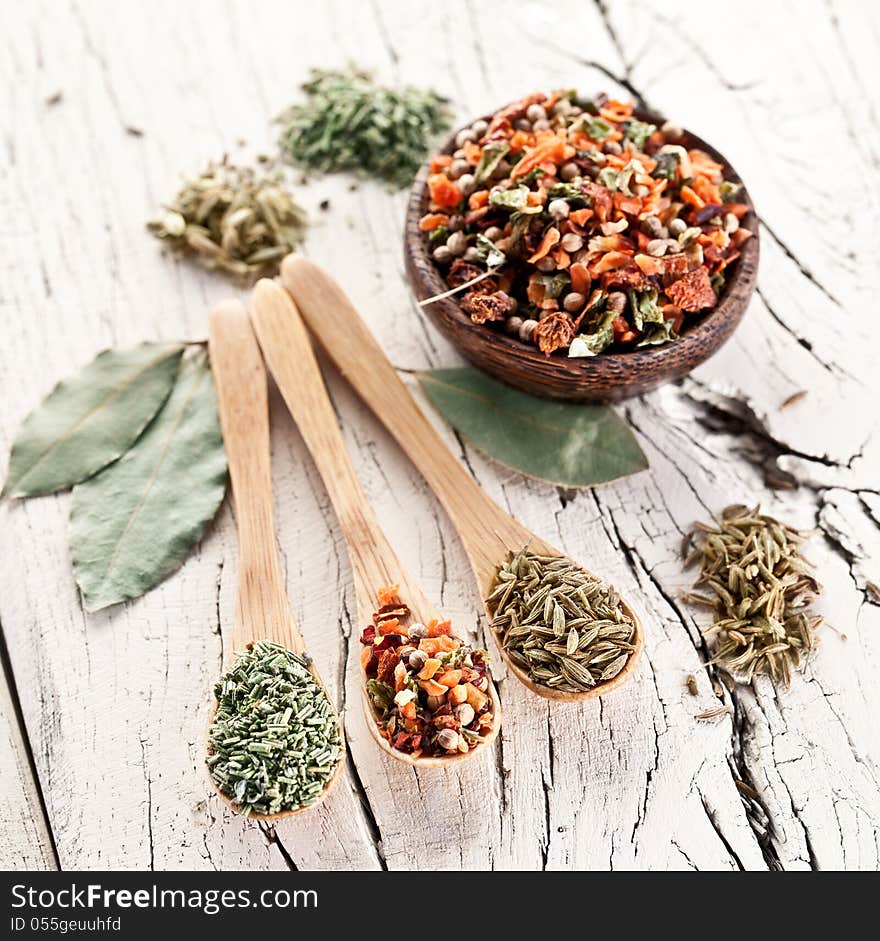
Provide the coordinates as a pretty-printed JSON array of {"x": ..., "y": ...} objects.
[{"x": 115, "y": 704}]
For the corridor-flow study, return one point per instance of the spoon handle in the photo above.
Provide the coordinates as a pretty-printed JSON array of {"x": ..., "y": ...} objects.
[
  {"x": 288, "y": 352},
  {"x": 485, "y": 529},
  {"x": 262, "y": 609}
]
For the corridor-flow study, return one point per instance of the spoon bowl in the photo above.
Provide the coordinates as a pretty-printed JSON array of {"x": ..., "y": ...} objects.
[
  {"x": 262, "y": 610},
  {"x": 288, "y": 353},
  {"x": 488, "y": 533}
]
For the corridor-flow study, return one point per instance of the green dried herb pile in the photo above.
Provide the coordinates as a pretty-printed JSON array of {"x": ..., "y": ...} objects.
[
  {"x": 234, "y": 219},
  {"x": 274, "y": 742},
  {"x": 762, "y": 593},
  {"x": 564, "y": 627},
  {"x": 349, "y": 123}
]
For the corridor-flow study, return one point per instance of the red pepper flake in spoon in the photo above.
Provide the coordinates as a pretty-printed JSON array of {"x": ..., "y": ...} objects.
[
  {"x": 428, "y": 689},
  {"x": 578, "y": 227}
]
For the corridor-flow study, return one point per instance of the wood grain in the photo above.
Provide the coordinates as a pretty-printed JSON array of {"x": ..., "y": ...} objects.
[{"x": 115, "y": 704}]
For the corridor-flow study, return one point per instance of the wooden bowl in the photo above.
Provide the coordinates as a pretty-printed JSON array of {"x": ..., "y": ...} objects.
[{"x": 608, "y": 376}]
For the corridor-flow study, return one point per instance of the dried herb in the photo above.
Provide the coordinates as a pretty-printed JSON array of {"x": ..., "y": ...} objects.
[
  {"x": 274, "y": 742},
  {"x": 132, "y": 524},
  {"x": 349, "y": 123},
  {"x": 574, "y": 445},
  {"x": 232, "y": 219},
  {"x": 428, "y": 689},
  {"x": 608, "y": 227},
  {"x": 564, "y": 627},
  {"x": 762, "y": 592},
  {"x": 91, "y": 418}
]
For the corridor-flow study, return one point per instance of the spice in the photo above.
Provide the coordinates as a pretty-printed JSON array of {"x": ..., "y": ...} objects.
[
  {"x": 351, "y": 124},
  {"x": 233, "y": 219},
  {"x": 564, "y": 627},
  {"x": 274, "y": 742},
  {"x": 603, "y": 225},
  {"x": 762, "y": 591},
  {"x": 691, "y": 683},
  {"x": 428, "y": 689}
]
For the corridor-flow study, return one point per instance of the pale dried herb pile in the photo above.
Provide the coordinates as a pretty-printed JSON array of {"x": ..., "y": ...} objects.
[
  {"x": 349, "y": 123},
  {"x": 274, "y": 742},
  {"x": 234, "y": 219},
  {"x": 762, "y": 593},
  {"x": 564, "y": 627}
]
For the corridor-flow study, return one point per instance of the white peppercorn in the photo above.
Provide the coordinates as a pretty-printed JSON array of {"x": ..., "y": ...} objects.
[
  {"x": 671, "y": 131},
  {"x": 522, "y": 124},
  {"x": 612, "y": 147},
  {"x": 573, "y": 301},
  {"x": 455, "y": 223},
  {"x": 457, "y": 243},
  {"x": 676, "y": 227},
  {"x": 480, "y": 127},
  {"x": 527, "y": 330},
  {"x": 536, "y": 112},
  {"x": 465, "y": 136},
  {"x": 615, "y": 301},
  {"x": 442, "y": 255},
  {"x": 568, "y": 171},
  {"x": 542, "y": 124},
  {"x": 571, "y": 242},
  {"x": 493, "y": 233},
  {"x": 651, "y": 225},
  {"x": 417, "y": 659},
  {"x": 465, "y": 713},
  {"x": 417, "y": 631},
  {"x": 457, "y": 168},
  {"x": 657, "y": 247},
  {"x": 448, "y": 739},
  {"x": 473, "y": 255},
  {"x": 512, "y": 325},
  {"x": 558, "y": 209},
  {"x": 466, "y": 183}
]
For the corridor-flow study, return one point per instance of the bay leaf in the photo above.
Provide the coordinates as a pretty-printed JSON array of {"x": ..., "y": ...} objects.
[
  {"x": 132, "y": 524},
  {"x": 91, "y": 418},
  {"x": 565, "y": 443}
]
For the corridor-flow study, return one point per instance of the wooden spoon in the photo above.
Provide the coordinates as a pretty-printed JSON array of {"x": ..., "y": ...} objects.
[
  {"x": 262, "y": 610},
  {"x": 487, "y": 532},
  {"x": 288, "y": 352}
]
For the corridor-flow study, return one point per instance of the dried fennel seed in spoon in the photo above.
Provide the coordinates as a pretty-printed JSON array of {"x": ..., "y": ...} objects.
[
  {"x": 233, "y": 219},
  {"x": 564, "y": 627},
  {"x": 762, "y": 589},
  {"x": 274, "y": 742}
]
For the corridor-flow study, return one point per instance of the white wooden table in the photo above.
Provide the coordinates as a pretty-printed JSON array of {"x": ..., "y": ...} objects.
[{"x": 102, "y": 717}]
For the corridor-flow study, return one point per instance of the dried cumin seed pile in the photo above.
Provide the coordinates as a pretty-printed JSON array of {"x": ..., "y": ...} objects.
[
  {"x": 564, "y": 627},
  {"x": 762, "y": 589},
  {"x": 233, "y": 219},
  {"x": 274, "y": 742}
]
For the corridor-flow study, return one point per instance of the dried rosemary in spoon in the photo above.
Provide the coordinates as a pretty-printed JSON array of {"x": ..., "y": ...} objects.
[
  {"x": 234, "y": 219},
  {"x": 274, "y": 741},
  {"x": 762, "y": 591}
]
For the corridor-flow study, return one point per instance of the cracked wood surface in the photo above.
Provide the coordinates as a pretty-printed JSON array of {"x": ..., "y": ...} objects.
[{"x": 114, "y": 704}]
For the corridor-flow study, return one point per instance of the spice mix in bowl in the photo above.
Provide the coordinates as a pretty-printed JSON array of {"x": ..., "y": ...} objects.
[{"x": 579, "y": 248}]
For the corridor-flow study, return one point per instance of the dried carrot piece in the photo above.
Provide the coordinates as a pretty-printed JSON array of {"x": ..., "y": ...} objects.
[
  {"x": 550, "y": 239},
  {"x": 444, "y": 193},
  {"x": 432, "y": 220}
]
